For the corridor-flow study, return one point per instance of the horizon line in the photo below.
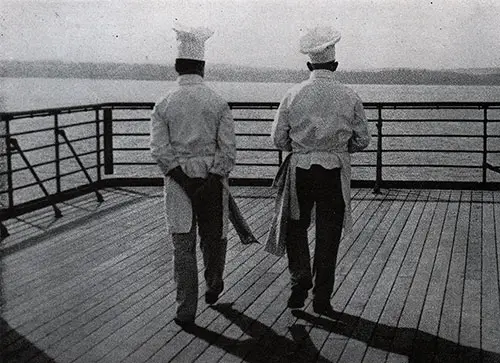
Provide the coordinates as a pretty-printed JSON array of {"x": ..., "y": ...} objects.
[{"x": 244, "y": 65}]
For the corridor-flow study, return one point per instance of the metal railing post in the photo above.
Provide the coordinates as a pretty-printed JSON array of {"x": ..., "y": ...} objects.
[
  {"x": 108, "y": 141},
  {"x": 8, "y": 164},
  {"x": 378, "y": 172},
  {"x": 485, "y": 143},
  {"x": 98, "y": 143},
  {"x": 10, "y": 183},
  {"x": 57, "y": 154}
]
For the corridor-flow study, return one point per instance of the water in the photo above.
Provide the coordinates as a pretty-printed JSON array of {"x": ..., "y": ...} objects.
[{"x": 20, "y": 94}]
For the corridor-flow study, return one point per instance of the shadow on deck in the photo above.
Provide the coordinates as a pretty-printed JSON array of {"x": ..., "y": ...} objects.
[{"x": 417, "y": 281}]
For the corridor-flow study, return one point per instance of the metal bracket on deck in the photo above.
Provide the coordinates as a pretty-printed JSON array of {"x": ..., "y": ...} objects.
[
  {"x": 15, "y": 145},
  {"x": 100, "y": 199}
]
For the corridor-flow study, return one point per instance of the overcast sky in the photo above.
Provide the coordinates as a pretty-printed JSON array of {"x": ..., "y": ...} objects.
[{"x": 375, "y": 33}]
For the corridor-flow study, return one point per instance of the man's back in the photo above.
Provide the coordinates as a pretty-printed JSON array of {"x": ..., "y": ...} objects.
[
  {"x": 322, "y": 113},
  {"x": 193, "y": 113}
]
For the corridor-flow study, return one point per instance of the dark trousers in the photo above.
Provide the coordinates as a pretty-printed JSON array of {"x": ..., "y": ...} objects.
[
  {"x": 207, "y": 218},
  {"x": 320, "y": 187}
]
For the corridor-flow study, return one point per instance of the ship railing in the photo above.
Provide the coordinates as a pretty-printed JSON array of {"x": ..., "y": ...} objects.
[{"x": 48, "y": 156}]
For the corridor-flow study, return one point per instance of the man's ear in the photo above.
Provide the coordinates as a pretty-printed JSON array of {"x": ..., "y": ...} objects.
[{"x": 310, "y": 66}]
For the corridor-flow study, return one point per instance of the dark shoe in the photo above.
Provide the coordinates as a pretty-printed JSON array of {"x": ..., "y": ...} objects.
[
  {"x": 324, "y": 308},
  {"x": 249, "y": 240},
  {"x": 184, "y": 323},
  {"x": 211, "y": 297},
  {"x": 297, "y": 299}
]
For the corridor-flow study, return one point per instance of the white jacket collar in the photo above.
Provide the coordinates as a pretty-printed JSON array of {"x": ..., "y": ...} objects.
[
  {"x": 322, "y": 73},
  {"x": 189, "y": 79}
]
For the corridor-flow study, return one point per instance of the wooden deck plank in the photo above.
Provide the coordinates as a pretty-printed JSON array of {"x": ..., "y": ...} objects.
[
  {"x": 490, "y": 308},
  {"x": 348, "y": 248},
  {"x": 354, "y": 263},
  {"x": 376, "y": 277},
  {"x": 405, "y": 248},
  {"x": 386, "y": 235},
  {"x": 424, "y": 339},
  {"x": 412, "y": 283},
  {"x": 470, "y": 323},
  {"x": 373, "y": 261},
  {"x": 431, "y": 311},
  {"x": 383, "y": 278},
  {"x": 94, "y": 332},
  {"x": 449, "y": 324},
  {"x": 440, "y": 271},
  {"x": 420, "y": 267}
]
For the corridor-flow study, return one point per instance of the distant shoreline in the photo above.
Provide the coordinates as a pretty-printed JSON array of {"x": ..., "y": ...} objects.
[{"x": 234, "y": 73}]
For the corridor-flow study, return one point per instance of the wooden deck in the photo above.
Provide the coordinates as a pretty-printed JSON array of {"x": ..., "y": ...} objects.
[{"x": 418, "y": 281}]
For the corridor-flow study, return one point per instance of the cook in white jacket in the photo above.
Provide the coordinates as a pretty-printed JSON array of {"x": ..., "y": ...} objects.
[
  {"x": 321, "y": 122},
  {"x": 193, "y": 142}
]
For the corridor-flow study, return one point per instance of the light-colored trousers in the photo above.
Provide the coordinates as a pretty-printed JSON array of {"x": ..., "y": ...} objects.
[
  {"x": 186, "y": 270},
  {"x": 207, "y": 220}
]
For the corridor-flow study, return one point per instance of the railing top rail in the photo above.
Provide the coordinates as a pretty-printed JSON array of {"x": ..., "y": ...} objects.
[
  {"x": 236, "y": 105},
  {"x": 72, "y": 109},
  {"x": 47, "y": 111},
  {"x": 388, "y": 104},
  {"x": 436, "y": 105}
]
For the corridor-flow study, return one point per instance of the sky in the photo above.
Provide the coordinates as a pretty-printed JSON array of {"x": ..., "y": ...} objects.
[{"x": 437, "y": 34}]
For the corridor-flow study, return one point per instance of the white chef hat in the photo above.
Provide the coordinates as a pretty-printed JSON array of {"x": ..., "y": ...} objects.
[
  {"x": 319, "y": 43},
  {"x": 191, "y": 41}
]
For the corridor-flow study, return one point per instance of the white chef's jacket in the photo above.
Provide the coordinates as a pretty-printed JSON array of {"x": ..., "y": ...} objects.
[
  {"x": 321, "y": 122},
  {"x": 191, "y": 127}
]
